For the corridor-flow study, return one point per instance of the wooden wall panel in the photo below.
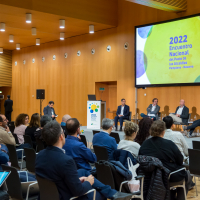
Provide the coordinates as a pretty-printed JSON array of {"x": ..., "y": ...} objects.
[
  {"x": 6, "y": 68},
  {"x": 68, "y": 81}
]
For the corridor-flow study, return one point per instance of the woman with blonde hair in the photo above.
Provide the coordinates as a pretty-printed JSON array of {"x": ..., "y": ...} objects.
[
  {"x": 21, "y": 124},
  {"x": 128, "y": 143}
]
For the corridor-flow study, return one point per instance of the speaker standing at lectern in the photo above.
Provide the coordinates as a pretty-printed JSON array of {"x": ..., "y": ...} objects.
[
  {"x": 122, "y": 113},
  {"x": 49, "y": 110}
]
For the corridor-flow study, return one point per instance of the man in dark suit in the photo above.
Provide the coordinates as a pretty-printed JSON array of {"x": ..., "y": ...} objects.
[
  {"x": 122, "y": 113},
  {"x": 152, "y": 110},
  {"x": 182, "y": 113},
  {"x": 49, "y": 110},
  {"x": 53, "y": 164},
  {"x": 8, "y": 108}
]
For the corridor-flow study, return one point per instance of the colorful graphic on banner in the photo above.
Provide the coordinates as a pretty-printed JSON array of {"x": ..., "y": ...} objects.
[{"x": 93, "y": 114}]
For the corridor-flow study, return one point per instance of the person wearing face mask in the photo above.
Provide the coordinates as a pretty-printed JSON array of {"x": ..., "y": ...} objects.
[{"x": 21, "y": 124}]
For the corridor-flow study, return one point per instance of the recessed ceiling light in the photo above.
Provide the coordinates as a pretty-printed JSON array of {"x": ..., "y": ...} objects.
[
  {"x": 38, "y": 41},
  {"x": 91, "y": 28},
  {"x": 62, "y": 23},
  {"x": 18, "y": 46},
  {"x": 11, "y": 38},
  {"x": 28, "y": 18},
  {"x": 2, "y": 26},
  {"x": 62, "y": 36}
]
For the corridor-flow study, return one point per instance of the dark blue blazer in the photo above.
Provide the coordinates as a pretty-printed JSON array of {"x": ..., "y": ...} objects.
[
  {"x": 48, "y": 111},
  {"x": 126, "y": 111},
  {"x": 53, "y": 164}
]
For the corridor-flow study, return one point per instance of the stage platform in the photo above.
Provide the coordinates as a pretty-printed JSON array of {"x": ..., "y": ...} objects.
[{"x": 89, "y": 135}]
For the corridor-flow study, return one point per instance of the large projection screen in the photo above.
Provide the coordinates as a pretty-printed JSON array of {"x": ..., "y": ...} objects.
[{"x": 168, "y": 53}]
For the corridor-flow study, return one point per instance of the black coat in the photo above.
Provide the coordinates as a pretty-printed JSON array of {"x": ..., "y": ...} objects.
[
  {"x": 156, "y": 184},
  {"x": 8, "y": 105},
  {"x": 185, "y": 114}
]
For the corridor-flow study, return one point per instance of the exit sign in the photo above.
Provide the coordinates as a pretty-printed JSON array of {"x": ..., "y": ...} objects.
[{"x": 101, "y": 88}]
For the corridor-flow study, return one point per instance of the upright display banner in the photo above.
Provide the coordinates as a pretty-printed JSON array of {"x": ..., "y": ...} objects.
[{"x": 93, "y": 114}]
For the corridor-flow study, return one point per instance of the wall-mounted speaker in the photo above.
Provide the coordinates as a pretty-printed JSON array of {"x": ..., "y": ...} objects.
[{"x": 40, "y": 94}]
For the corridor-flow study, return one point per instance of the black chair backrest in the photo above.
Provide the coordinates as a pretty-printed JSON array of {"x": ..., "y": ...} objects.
[
  {"x": 30, "y": 159},
  {"x": 13, "y": 156},
  {"x": 11, "y": 123},
  {"x": 94, "y": 132},
  {"x": 101, "y": 153},
  {"x": 12, "y": 128},
  {"x": 13, "y": 183},
  {"x": 48, "y": 189},
  {"x": 83, "y": 139},
  {"x": 16, "y": 138},
  {"x": 27, "y": 139},
  {"x": 116, "y": 136},
  {"x": 194, "y": 161},
  {"x": 196, "y": 144},
  {"x": 104, "y": 174},
  {"x": 130, "y": 115},
  {"x": 40, "y": 145}
]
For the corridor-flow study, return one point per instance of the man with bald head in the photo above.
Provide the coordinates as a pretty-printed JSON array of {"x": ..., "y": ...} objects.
[
  {"x": 63, "y": 123},
  {"x": 182, "y": 113}
]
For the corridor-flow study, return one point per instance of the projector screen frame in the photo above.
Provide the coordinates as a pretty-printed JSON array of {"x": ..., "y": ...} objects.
[{"x": 170, "y": 84}]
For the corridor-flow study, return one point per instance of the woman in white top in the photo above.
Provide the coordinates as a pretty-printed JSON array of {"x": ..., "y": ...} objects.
[
  {"x": 21, "y": 124},
  {"x": 128, "y": 143}
]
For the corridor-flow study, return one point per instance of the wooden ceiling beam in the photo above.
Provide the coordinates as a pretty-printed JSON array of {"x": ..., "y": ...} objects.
[
  {"x": 99, "y": 11},
  {"x": 167, "y": 5}
]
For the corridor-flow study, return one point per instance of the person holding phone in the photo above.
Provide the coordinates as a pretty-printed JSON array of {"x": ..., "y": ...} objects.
[{"x": 49, "y": 110}]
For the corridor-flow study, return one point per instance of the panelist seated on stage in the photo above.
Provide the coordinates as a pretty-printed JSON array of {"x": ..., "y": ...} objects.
[
  {"x": 152, "y": 110},
  {"x": 182, "y": 113},
  {"x": 49, "y": 110},
  {"x": 122, "y": 113}
]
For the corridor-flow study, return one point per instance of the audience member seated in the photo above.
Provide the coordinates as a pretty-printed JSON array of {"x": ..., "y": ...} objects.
[
  {"x": 167, "y": 152},
  {"x": 53, "y": 164},
  {"x": 75, "y": 148},
  {"x": 182, "y": 113},
  {"x": 103, "y": 138},
  {"x": 194, "y": 125},
  {"x": 6, "y": 136},
  {"x": 122, "y": 114},
  {"x": 63, "y": 123},
  {"x": 31, "y": 128},
  {"x": 175, "y": 136},
  {"x": 4, "y": 159},
  {"x": 21, "y": 123},
  {"x": 144, "y": 130},
  {"x": 38, "y": 133},
  {"x": 152, "y": 110},
  {"x": 128, "y": 143}
]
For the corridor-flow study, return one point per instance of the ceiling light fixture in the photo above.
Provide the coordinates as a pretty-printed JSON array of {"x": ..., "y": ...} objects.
[
  {"x": 91, "y": 28},
  {"x": 11, "y": 38},
  {"x": 1, "y": 49},
  {"x": 28, "y": 18},
  {"x": 62, "y": 23},
  {"x": 62, "y": 36},
  {"x": 2, "y": 26},
  {"x": 34, "y": 31},
  {"x": 18, "y": 46},
  {"x": 38, "y": 41}
]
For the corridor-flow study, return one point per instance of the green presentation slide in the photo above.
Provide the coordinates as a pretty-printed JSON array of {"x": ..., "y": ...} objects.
[{"x": 168, "y": 53}]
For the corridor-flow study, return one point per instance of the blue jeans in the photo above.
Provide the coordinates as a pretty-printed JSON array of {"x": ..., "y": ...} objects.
[
  {"x": 120, "y": 119},
  {"x": 143, "y": 116},
  {"x": 103, "y": 192}
]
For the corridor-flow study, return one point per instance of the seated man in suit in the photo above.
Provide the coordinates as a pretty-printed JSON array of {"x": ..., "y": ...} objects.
[
  {"x": 49, "y": 110},
  {"x": 103, "y": 138},
  {"x": 122, "y": 113},
  {"x": 182, "y": 113},
  {"x": 152, "y": 110},
  {"x": 75, "y": 148},
  {"x": 63, "y": 123},
  {"x": 53, "y": 164}
]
